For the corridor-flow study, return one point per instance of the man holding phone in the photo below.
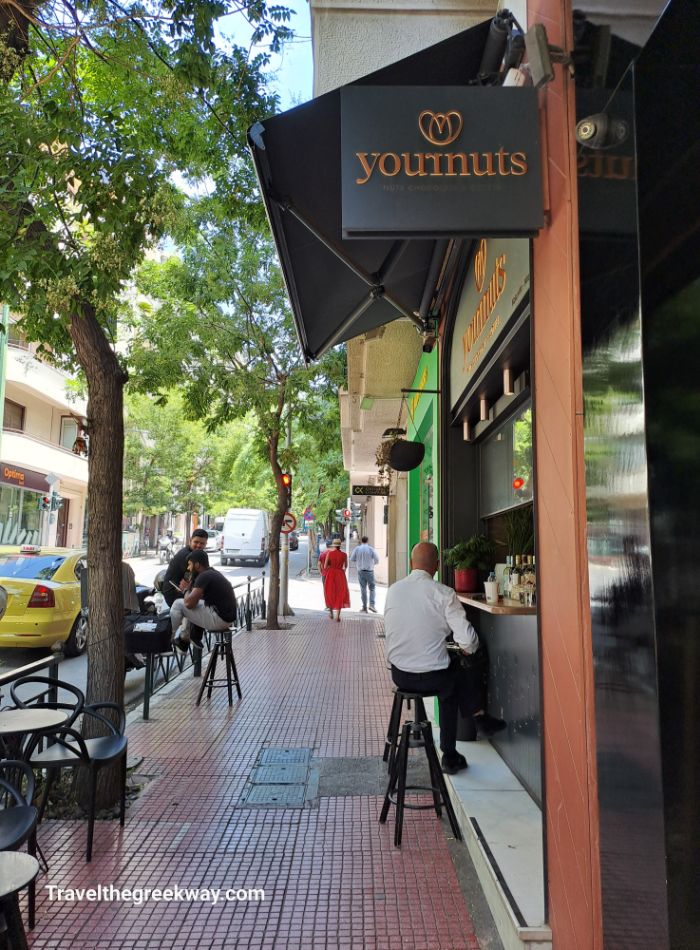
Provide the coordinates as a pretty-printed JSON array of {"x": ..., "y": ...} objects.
[
  {"x": 175, "y": 581},
  {"x": 209, "y": 603}
]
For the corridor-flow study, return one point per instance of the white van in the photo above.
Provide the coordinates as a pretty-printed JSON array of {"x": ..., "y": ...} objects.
[{"x": 246, "y": 532}]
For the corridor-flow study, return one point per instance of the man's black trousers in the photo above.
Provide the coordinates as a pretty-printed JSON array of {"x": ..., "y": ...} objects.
[{"x": 460, "y": 687}]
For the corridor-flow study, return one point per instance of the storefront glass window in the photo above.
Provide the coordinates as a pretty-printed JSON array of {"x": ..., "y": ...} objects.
[
  {"x": 20, "y": 517},
  {"x": 506, "y": 465}
]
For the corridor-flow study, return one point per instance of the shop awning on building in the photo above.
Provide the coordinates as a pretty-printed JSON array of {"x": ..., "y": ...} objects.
[{"x": 342, "y": 288}]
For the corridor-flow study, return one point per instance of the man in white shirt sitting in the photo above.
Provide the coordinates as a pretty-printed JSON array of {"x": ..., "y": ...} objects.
[{"x": 418, "y": 615}]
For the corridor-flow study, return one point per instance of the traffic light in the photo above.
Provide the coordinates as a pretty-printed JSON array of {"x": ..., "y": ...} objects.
[
  {"x": 347, "y": 514},
  {"x": 56, "y": 502},
  {"x": 45, "y": 503},
  {"x": 287, "y": 483}
]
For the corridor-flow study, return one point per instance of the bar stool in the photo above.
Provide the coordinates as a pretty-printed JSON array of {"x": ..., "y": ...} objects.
[
  {"x": 416, "y": 733},
  {"x": 222, "y": 649},
  {"x": 392, "y": 734}
]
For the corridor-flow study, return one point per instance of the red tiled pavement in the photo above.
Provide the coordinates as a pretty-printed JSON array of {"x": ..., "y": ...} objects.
[{"x": 331, "y": 875}]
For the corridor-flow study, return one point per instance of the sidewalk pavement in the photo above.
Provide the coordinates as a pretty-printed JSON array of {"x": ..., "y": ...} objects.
[{"x": 330, "y": 873}]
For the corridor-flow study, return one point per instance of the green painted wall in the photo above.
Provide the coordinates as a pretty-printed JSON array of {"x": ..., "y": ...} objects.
[{"x": 424, "y": 482}]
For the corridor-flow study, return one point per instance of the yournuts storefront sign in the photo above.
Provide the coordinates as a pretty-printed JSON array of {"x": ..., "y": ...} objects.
[{"x": 425, "y": 161}]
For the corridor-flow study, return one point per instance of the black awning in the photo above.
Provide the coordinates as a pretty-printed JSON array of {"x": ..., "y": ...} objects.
[{"x": 359, "y": 284}]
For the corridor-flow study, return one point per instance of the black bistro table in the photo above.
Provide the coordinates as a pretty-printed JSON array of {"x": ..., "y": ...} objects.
[
  {"x": 15, "y": 723},
  {"x": 17, "y": 870}
]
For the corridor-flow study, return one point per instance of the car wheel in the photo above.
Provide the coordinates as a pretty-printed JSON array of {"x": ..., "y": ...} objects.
[
  {"x": 224, "y": 561},
  {"x": 77, "y": 638}
]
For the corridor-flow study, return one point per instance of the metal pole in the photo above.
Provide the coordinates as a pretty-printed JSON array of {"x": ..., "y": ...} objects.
[
  {"x": 147, "y": 686},
  {"x": 284, "y": 573},
  {"x": 263, "y": 608},
  {"x": 248, "y": 611},
  {"x": 284, "y": 552},
  {"x": 347, "y": 532}
]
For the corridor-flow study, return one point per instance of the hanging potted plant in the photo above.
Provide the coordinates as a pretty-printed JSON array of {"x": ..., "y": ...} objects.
[{"x": 467, "y": 558}]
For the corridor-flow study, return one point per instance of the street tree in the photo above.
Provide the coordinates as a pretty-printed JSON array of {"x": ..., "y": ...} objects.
[
  {"x": 104, "y": 108},
  {"x": 222, "y": 325}
]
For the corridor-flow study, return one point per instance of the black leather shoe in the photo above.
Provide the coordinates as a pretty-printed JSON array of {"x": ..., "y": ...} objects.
[
  {"x": 451, "y": 764},
  {"x": 487, "y": 726},
  {"x": 181, "y": 644}
]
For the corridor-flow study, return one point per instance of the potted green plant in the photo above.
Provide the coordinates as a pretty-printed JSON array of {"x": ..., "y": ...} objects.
[
  {"x": 520, "y": 530},
  {"x": 467, "y": 558}
]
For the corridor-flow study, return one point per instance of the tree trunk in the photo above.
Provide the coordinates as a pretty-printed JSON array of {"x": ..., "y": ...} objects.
[
  {"x": 273, "y": 600},
  {"x": 105, "y": 645}
]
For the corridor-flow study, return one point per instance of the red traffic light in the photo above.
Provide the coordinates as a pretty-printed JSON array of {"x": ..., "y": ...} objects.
[
  {"x": 346, "y": 513},
  {"x": 518, "y": 483},
  {"x": 286, "y": 479}
]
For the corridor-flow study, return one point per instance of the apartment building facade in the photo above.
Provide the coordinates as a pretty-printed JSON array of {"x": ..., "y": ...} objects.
[{"x": 42, "y": 419}]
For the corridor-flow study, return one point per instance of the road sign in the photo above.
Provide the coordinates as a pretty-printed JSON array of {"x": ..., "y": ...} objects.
[
  {"x": 309, "y": 516},
  {"x": 289, "y": 523},
  {"x": 369, "y": 490}
]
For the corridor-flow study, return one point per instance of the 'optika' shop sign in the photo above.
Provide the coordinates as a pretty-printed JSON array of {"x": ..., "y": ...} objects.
[
  {"x": 427, "y": 161},
  {"x": 498, "y": 280}
]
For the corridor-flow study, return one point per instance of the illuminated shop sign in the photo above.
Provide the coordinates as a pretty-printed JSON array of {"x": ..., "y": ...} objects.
[{"x": 440, "y": 160}]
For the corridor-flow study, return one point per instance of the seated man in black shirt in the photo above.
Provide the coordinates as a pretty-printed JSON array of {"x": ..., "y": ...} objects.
[
  {"x": 177, "y": 568},
  {"x": 209, "y": 604}
]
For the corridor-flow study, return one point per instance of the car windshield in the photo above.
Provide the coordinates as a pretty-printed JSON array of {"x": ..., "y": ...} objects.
[{"x": 30, "y": 566}]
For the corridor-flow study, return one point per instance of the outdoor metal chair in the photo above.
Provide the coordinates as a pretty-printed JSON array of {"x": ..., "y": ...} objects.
[
  {"x": 69, "y": 750},
  {"x": 18, "y": 817}
]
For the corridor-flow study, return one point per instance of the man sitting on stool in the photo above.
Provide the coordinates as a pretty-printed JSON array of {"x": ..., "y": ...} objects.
[
  {"x": 208, "y": 604},
  {"x": 418, "y": 615}
]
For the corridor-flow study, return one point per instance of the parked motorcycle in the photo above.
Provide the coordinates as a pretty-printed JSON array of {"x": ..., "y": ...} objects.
[{"x": 166, "y": 551}]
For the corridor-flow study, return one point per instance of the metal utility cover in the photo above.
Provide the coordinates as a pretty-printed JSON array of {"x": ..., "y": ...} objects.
[
  {"x": 299, "y": 756},
  {"x": 275, "y": 796},
  {"x": 279, "y": 775}
]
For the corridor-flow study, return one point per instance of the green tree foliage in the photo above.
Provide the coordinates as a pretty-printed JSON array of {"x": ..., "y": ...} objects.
[
  {"x": 104, "y": 107},
  {"x": 219, "y": 322},
  {"x": 172, "y": 464}
]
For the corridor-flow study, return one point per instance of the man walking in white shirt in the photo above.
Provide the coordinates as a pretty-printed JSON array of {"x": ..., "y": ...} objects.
[
  {"x": 365, "y": 557},
  {"x": 418, "y": 615}
]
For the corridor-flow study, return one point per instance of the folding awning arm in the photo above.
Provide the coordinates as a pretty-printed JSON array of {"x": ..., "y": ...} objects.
[{"x": 373, "y": 281}]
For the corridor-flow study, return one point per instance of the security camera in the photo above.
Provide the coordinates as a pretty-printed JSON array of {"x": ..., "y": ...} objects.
[{"x": 601, "y": 131}]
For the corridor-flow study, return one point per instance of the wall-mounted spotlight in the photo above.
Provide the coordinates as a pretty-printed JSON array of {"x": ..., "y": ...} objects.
[
  {"x": 541, "y": 56},
  {"x": 483, "y": 409},
  {"x": 466, "y": 431},
  {"x": 601, "y": 131}
]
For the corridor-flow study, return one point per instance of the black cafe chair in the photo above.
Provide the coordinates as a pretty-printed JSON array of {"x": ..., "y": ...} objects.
[
  {"x": 69, "y": 750},
  {"x": 18, "y": 817}
]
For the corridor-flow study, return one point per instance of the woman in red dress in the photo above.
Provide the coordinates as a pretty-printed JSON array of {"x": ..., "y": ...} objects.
[{"x": 336, "y": 586}]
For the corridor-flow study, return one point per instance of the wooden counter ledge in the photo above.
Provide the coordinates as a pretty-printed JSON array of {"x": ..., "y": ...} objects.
[{"x": 504, "y": 606}]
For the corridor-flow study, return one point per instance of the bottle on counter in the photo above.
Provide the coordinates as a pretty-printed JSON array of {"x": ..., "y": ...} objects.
[
  {"x": 529, "y": 572},
  {"x": 515, "y": 578},
  {"x": 505, "y": 576}
]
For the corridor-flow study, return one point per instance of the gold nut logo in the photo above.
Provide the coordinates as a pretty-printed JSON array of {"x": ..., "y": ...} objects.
[
  {"x": 480, "y": 265},
  {"x": 440, "y": 128}
]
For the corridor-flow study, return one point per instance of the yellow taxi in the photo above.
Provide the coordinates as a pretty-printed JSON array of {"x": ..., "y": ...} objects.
[{"x": 43, "y": 597}]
